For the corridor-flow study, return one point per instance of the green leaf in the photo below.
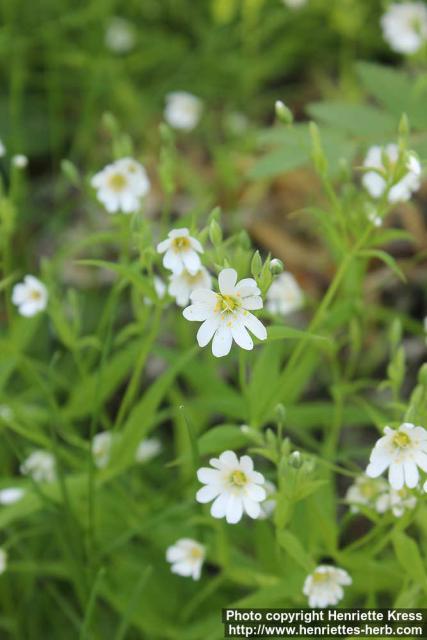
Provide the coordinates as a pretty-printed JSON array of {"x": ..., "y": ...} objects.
[
  {"x": 355, "y": 119},
  {"x": 279, "y": 332},
  {"x": 290, "y": 543},
  {"x": 220, "y": 438},
  {"x": 409, "y": 557},
  {"x": 387, "y": 259}
]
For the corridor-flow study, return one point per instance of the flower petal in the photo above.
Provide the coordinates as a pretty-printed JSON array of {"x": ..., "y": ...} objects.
[
  {"x": 234, "y": 509},
  {"x": 196, "y": 312},
  {"x": 227, "y": 281},
  {"x": 255, "y": 326},
  {"x": 395, "y": 476},
  {"x": 207, "y": 330},
  {"x": 221, "y": 343}
]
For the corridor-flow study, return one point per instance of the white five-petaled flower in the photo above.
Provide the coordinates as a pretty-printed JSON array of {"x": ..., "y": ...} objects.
[
  {"x": 284, "y": 295},
  {"x": 234, "y": 487},
  {"x": 186, "y": 557},
  {"x": 101, "y": 448},
  {"x": 365, "y": 491},
  {"x": 402, "y": 451},
  {"x": 181, "y": 252},
  {"x": 121, "y": 185},
  {"x": 396, "y": 501},
  {"x": 40, "y": 465},
  {"x": 376, "y": 184},
  {"x": 183, "y": 284},
  {"x": 10, "y": 495},
  {"x": 405, "y": 26},
  {"x": 226, "y": 315},
  {"x": 148, "y": 449},
  {"x": 3, "y": 560},
  {"x": 324, "y": 586},
  {"x": 183, "y": 110},
  {"x": 30, "y": 296}
]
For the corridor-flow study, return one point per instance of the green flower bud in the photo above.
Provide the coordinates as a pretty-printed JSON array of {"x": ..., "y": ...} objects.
[
  {"x": 276, "y": 267},
  {"x": 283, "y": 113}
]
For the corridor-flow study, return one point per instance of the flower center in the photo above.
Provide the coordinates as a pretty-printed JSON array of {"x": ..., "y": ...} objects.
[
  {"x": 35, "y": 295},
  {"x": 368, "y": 489},
  {"x": 401, "y": 440},
  {"x": 117, "y": 182},
  {"x": 238, "y": 478},
  {"x": 320, "y": 577},
  {"x": 227, "y": 303},
  {"x": 192, "y": 279},
  {"x": 195, "y": 553},
  {"x": 181, "y": 244}
]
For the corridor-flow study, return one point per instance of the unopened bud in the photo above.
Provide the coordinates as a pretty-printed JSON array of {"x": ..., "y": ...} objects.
[
  {"x": 280, "y": 413},
  {"x": 215, "y": 233},
  {"x": 283, "y": 113},
  {"x": 276, "y": 267},
  {"x": 295, "y": 460}
]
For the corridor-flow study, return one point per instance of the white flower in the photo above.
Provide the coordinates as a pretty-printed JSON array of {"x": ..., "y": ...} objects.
[
  {"x": 233, "y": 485},
  {"x": 365, "y": 491},
  {"x": 2, "y": 149},
  {"x": 401, "y": 450},
  {"x": 10, "y": 495},
  {"x": 3, "y": 560},
  {"x": 148, "y": 449},
  {"x": 30, "y": 296},
  {"x": 284, "y": 295},
  {"x": 101, "y": 448},
  {"x": 396, "y": 501},
  {"x": 159, "y": 288},
  {"x": 405, "y": 26},
  {"x": 181, "y": 252},
  {"x": 226, "y": 315},
  {"x": 20, "y": 161},
  {"x": 183, "y": 284},
  {"x": 121, "y": 185},
  {"x": 269, "y": 504},
  {"x": 186, "y": 557},
  {"x": 120, "y": 35},
  {"x": 376, "y": 184},
  {"x": 40, "y": 465},
  {"x": 294, "y": 4},
  {"x": 183, "y": 110},
  {"x": 323, "y": 587}
]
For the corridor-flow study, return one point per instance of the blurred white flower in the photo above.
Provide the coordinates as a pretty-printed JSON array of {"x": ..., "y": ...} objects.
[
  {"x": 323, "y": 587},
  {"x": 405, "y": 26},
  {"x": 284, "y": 295},
  {"x": 148, "y": 449},
  {"x": 6, "y": 412},
  {"x": 181, "y": 252},
  {"x": 376, "y": 184},
  {"x": 294, "y": 4},
  {"x": 269, "y": 504},
  {"x": 233, "y": 485},
  {"x": 10, "y": 495},
  {"x": 159, "y": 288},
  {"x": 3, "y": 560},
  {"x": 183, "y": 110},
  {"x": 2, "y": 149},
  {"x": 402, "y": 451},
  {"x": 20, "y": 161},
  {"x": 226, "y": 315},
  {"x": 40, "y": 465},
  {"x": 121, "y": 185},
  {"x": 120, "y": 35},
  {"x": 101, "y": 448},
  {"x": 30, "y": 296},
  {"x": 183, "y": 284},
  {"x": 396, "y": 501},
  {"x": 186, "y": 557},
  {"x": 365, "y": 491}
]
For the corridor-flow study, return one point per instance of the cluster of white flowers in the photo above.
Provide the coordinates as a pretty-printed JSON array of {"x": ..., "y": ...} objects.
[
  {"x": 183, "y": 110},
  {"x": 102, "y": 445},
  {"x": 40, "y": 466},
  {"x": 226, "y": 315},
  {"x": 284, "y": 295},
  {"x": 401, "y": 451},
  {"x": 121, "y": 185},
  {"x": 30, "y": 296},
  {"x": 404, "y": 26},
  {"x": 324, "y": 587},
  {"x": 376, "y": 180},
  {"x": 377, "y": 494}
]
